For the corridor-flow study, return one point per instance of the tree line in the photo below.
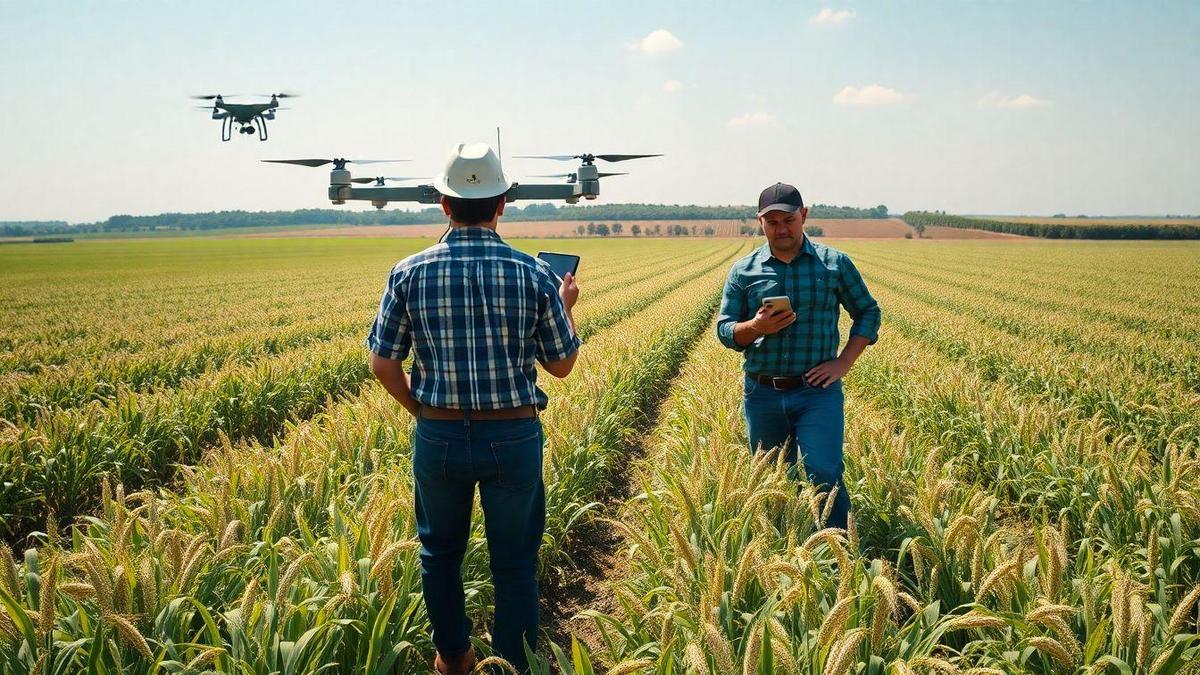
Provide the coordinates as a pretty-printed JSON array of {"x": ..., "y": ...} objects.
[
  {"x": 533, "y": 212},
  {"x": 919, "y": 220}
]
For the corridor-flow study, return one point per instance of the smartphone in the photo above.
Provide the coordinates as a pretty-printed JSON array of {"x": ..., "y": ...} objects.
[
  {"x": 561, "y": 263},
  {"x": 777, "y": 303}
]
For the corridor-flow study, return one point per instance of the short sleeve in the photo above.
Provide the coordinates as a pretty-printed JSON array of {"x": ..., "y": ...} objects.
[
  {"x": 391, "y": 335},
  {"x": 555, "y": 338}
]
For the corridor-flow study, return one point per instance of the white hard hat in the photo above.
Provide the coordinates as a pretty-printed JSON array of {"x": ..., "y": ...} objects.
[{"x": 472, "y": 172}]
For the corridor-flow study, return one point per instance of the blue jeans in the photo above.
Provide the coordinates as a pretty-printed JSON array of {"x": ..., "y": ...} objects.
[
  {"x": 812, "y": 422},
  {"x": 504, "y": 457}
]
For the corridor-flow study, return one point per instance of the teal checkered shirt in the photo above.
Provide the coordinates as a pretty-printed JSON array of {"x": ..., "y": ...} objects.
[{"x": 817, "y": 281}]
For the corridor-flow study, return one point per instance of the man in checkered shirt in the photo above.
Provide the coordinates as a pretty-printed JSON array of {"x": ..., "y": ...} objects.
[
  {"x": 477, "y": 316},
  {"x": 793, "y": 371}
]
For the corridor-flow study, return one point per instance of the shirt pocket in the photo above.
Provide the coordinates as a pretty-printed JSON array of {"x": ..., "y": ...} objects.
[
  {"x": 759, "y": 289},
  {"x": 824, "y": 288}
]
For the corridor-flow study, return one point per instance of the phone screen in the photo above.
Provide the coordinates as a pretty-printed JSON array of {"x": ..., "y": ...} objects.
[{"x": 561, "y": 263}]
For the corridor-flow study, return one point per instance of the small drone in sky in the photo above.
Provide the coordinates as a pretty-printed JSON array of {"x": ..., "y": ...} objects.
[
  {"x": 583, "y": 182},
  {"x": 248, "y": 115}
]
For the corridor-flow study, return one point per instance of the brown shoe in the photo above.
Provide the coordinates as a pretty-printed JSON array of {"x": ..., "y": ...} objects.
[{"x": 455, "y": 665}]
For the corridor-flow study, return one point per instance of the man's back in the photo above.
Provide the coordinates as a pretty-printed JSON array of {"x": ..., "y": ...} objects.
[{"x": 479, "y": 315}]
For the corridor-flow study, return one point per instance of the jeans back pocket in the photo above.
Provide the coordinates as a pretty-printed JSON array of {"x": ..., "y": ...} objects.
[{"x": 519, "y": 460}]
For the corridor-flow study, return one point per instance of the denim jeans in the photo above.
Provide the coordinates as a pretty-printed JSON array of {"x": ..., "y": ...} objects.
[
  {"x": 504, "y": 457},
  {"x": 812, "y": 422}
]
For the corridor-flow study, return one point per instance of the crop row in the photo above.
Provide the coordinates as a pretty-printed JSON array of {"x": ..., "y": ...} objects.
[
  {"x": 299, "y": 556},
  {"x": 727, "y": 574}
]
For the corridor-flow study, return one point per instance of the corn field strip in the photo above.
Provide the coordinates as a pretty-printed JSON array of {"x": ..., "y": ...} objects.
[
  {"x": 1156, "y": 314},
  {"x": 56, "y": 463},
  {"x": 23, "y": 398},
  {"x": 283, "y": 558}
]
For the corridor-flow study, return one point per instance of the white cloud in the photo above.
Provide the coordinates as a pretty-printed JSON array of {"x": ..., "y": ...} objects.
[
  {"x": 871, "y": 94},
  {"x": 997, "y": 100},
  {"x": 672, "y": 86},
  {"x": 658, "y": 42},
  {"x": 753, "y": 119},
  {"x": 829, "y": 17}
]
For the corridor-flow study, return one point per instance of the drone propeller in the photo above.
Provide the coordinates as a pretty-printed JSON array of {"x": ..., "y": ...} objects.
[
  {"x": 278, "y": 95},
  {"x": 568, "y": 175},
  {"x": 339, "y": 162},
  {"x": 387, "y": 178},
  {"x": 209, "y": 97},
  {"x": 587, "y": 157}
]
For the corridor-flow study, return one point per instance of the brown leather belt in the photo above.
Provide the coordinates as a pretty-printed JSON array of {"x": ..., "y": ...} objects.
[
  {"x": 780, "y": 383},
  {"x": 522, "y": 412}
]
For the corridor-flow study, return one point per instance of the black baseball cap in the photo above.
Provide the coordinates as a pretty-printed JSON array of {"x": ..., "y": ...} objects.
[{"x": 780, "y": 197}]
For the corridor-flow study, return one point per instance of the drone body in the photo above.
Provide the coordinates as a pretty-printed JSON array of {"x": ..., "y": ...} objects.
[
  {"x": 583, "y": 182},
  {"x": 250, "y": 116}
]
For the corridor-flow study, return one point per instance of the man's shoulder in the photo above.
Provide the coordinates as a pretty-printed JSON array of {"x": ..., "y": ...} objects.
[
  {"x": 428, "y": 255},
  {"x": 747, "y": 261},
  {"x": 443, "y": 253},
  {"x": 828, "y": 254}
]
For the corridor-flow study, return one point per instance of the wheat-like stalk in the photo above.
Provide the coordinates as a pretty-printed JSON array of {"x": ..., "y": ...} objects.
[
  {"x": 835, "y": 621},
  {"x": 130, "y": 634},
  {"x": 844, "y": 653},
  {"x": 1053, "y": 648},
  {"x": 627, "y": 667},
  {"x": 719, "y": 647},
  {"x": 1183, "y": 612}
]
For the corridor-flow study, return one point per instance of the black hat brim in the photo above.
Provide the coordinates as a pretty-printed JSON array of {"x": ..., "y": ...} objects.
[{"x": 790, "y": 208}]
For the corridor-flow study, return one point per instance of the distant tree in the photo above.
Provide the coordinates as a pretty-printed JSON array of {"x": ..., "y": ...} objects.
[
  {"x": 693, "y": 230},
  {"x": 814, "y": 230},
  {"x": 1059, "y": 215},
  {"x": 591, "y": 229},
  {"x": 617, "y": 228},
  {"x": 657, "y": 228},
  {"x": 919, "y": 226},
  {"x": 908, "y": 235},
  {"x": 580, "y": 230},
  {"x": 635, "y": 229},
  {"x": 1082, "y": 215},
  {"x": 602, "y": 230},
  {"x": 709, "y": 231}
]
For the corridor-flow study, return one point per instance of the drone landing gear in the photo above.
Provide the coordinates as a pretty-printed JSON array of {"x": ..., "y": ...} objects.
[
  {"x": 226, "y": 128},
  {"x": 262, "y": 128}
]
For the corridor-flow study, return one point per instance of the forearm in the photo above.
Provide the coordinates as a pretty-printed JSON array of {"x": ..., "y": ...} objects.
[
  {"x": 395, "y": 381},
  {"x": 854, "y": 348},
  {"x": 744, "y": 333}
]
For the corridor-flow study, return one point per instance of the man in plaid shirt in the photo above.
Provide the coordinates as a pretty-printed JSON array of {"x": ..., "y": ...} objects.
[
  {"x": 476, "y": 315},
  {"x": 793, "y": 373}
]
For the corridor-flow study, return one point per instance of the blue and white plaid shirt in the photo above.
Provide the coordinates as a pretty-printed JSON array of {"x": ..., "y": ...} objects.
[{"x": 480, "y": 313}]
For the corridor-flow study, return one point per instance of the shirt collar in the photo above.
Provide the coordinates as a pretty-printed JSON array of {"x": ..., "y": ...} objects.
[
  {"x": 473, "y": 233},
  {"x": 764, "y": 251}
]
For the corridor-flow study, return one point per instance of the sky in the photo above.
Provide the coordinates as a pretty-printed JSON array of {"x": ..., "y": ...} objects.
[{"x": 983, "y": 108}]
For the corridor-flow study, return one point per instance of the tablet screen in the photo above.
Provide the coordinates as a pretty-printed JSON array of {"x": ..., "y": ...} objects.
[{"x": 561, "y": 263}]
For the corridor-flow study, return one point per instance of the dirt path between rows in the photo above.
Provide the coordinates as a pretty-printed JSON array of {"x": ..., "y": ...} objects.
[{"x": 596, "y": 550}]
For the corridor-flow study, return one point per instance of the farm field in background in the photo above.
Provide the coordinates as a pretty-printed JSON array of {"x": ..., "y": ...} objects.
[
  {"x": 1023, "y": 455},
  {"x": 834, "y": 228},
  {"x": 1096, "y": 220}
]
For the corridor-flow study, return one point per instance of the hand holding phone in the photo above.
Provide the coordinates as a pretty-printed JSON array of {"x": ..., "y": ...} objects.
[{"x": 774, "y": 315}]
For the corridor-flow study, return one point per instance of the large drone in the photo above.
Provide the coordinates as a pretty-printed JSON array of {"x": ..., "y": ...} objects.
[
  {"x": 248, "y": 115},
  {"x": 583, "y": 182}
]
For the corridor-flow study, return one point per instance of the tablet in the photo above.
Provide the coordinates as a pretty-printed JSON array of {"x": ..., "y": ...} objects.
[{"x": 561, "y": 263}]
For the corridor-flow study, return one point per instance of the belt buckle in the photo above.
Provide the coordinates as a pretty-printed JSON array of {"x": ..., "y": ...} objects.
[{"x": 775, "y": 383}]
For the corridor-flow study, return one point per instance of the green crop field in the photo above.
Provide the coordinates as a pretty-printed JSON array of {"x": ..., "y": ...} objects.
[{"x": 198, "y": 474}]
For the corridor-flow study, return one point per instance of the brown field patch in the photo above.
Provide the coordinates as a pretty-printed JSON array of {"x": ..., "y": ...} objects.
[{"x": 1091, "y": 221}]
